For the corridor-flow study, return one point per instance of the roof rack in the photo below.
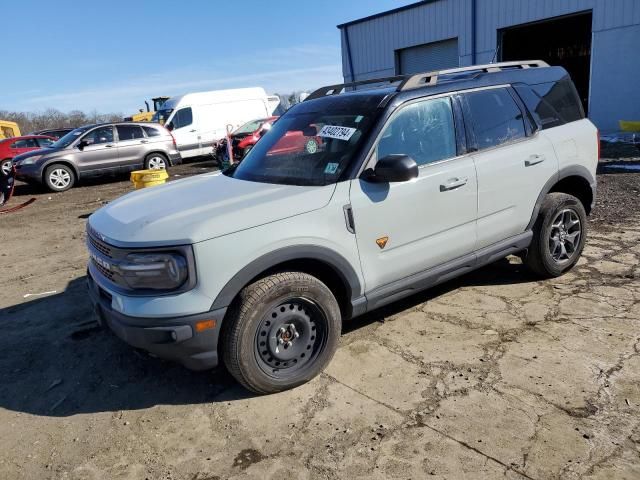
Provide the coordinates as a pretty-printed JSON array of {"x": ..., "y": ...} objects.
[
  {"x": 338, "y": 88},
  {"x": 431, "y": 78},
  {"x": 409, "y": 82}
]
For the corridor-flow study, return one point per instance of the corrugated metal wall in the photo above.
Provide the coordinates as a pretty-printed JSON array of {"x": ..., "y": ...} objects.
[
  {"x": 615, "y": 78},
  {"x": 429, "y": 57}
]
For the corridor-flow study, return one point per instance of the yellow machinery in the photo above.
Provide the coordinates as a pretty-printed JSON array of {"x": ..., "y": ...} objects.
[
  {"x": 8, "y": 129},
  {"x": 629, "y": 126},
  {"x": 143, "y": 116}
]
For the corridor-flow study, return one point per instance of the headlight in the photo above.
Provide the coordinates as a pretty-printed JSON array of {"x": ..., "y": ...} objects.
[
  {"x": 156, "y": 271},
  {"x": 30, "y": 160}
]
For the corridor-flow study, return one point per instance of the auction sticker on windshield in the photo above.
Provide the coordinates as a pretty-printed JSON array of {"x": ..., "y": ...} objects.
[{"x": 339, "y": 133}]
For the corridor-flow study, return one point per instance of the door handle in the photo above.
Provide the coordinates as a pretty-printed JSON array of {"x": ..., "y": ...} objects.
[
  {"x": 144, "y": 141},
  {"x": 191, "y": 131},
  {"x": 453, "y": 183},
  {"x": 534, "y": 160},
  {"x": 108, "y": 145}
]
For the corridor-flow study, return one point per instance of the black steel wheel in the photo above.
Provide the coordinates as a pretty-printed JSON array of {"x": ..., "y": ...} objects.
[
  {"x": 290, "y": 337},
  {"x": 282, "y": 331}
]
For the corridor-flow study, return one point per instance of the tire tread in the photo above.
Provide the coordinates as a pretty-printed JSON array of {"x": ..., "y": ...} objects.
[
  {"x": 535, "y": 260},
  {"x": 250, "y": 298}
]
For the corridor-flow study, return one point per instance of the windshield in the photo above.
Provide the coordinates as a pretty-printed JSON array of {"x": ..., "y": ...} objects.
[
  {"x": 250, "y": 127},
  {"x": 161, "y": 116},
  {"x": 309, "y": 148},
  {"x": 69, "y": 138}
]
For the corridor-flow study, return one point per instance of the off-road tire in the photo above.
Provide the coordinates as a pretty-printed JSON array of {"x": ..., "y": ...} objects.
[
  {"x": 49, "y": 182},
  {"x": 245, "y": 324},
  {"x": 539, "y": 258}
]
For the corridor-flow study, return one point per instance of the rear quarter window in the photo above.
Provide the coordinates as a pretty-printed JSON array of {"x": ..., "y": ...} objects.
[
  {"x": 552, "y": 104},
  {"x": 151, "y": 132}
]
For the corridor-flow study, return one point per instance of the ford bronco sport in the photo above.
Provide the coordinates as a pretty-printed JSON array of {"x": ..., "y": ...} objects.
[{"x": 418, "y": 179}]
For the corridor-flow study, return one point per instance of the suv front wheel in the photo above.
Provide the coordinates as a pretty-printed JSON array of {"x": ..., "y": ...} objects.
[
  {"x": 559, "y": 235},
  {"x": 59, "y": 177},
  {"x": 281, "y": 332}
]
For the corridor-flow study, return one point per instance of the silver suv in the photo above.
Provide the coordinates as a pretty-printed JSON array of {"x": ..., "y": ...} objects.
[
  {"x": 96, "y": 150},
  {"x": 352, "y": 200}
]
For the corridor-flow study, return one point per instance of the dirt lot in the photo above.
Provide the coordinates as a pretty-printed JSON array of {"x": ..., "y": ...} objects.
[{"x": 492, "y": 375}]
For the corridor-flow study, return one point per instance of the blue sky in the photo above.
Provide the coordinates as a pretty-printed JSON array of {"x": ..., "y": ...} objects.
[{"x": 110, "y": 56}]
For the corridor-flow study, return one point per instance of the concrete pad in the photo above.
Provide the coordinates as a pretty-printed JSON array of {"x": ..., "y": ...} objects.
[{"x": 378, "y": 373}]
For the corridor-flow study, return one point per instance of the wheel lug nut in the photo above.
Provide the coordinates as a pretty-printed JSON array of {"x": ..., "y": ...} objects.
[
  {"x": 296, "y": 334},
  {"x": 280, "y": 341}
]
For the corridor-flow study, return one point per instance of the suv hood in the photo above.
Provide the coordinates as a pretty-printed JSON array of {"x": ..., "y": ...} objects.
[
  {"x": 34, "y": 153},
  {"x": 200, "y": 208}
]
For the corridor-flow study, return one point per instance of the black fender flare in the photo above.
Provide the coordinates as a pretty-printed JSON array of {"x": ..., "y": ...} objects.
[
  {"x": 337, "y": 262},
  {"x": 571, "y": 171}
]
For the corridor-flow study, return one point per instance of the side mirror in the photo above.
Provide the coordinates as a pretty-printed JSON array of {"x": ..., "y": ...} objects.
[
  {"x": 169, "y": 126},
  {"x": 82, "y": 144},
  {"x": 392, "y": 168}
]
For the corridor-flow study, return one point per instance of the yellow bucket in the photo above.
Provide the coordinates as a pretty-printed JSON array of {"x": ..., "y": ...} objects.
[
  {"x": 148, "y": 178},
  {"x": 629, "y": 126}
]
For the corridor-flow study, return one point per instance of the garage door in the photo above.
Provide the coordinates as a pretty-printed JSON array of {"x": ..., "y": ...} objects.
[{"x": 428, "y": 57}]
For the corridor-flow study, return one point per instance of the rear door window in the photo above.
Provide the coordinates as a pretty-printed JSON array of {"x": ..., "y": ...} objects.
[
  {"x": 496, "y": 119},
  {"x": 129, "y": 132},
  {"x": 424, "y": 131}
]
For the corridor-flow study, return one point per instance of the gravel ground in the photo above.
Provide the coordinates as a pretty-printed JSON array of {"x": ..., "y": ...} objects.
[
  {"x": 617, "y": 198},
  {"x": 493, "y": 375}
]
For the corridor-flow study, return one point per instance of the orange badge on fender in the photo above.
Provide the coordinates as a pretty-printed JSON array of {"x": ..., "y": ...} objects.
[{"x": 382, "y": 242}]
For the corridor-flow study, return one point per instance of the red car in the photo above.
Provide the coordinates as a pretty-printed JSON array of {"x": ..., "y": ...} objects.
[
  {"x": 245, "y": 137},
  {"x": 12, "y": 147}
]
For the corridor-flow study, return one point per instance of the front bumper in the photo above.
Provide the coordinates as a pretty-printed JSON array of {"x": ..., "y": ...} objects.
[
  {"x": 29, "y": 172},
  {"x": 173, "y": 339}
]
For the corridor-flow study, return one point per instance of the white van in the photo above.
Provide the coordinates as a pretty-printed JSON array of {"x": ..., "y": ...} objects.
[{"x": 198, "y": 120}]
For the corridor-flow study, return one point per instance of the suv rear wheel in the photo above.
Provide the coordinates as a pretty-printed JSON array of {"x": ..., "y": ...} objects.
[
  {"x": 59, "y": 177},
  {"x": 559, "y": 235},
  {"x": 155, "y": 161},
  {"x": 282, "y": 331}
]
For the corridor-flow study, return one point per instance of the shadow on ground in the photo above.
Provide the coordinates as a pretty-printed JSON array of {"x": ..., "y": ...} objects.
[{"x": 56, "y": 361}]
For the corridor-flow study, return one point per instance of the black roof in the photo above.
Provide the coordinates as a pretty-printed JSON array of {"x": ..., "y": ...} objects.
[{"x": 446, "y": 83}]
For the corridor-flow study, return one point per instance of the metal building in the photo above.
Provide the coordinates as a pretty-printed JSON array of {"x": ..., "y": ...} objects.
[{"x": 597, "y": 41}]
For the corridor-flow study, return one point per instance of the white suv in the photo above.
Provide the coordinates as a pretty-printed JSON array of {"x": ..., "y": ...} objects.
[{"x": 352, "y": 200}]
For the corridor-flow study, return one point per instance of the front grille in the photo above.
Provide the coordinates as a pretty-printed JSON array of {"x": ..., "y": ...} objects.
[
  {"x": 103, "y": 271},
  {"x": 100, "y": 246}
]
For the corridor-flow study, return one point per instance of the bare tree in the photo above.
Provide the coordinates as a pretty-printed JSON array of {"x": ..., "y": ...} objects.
[{"x": 52, "y": 118}]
